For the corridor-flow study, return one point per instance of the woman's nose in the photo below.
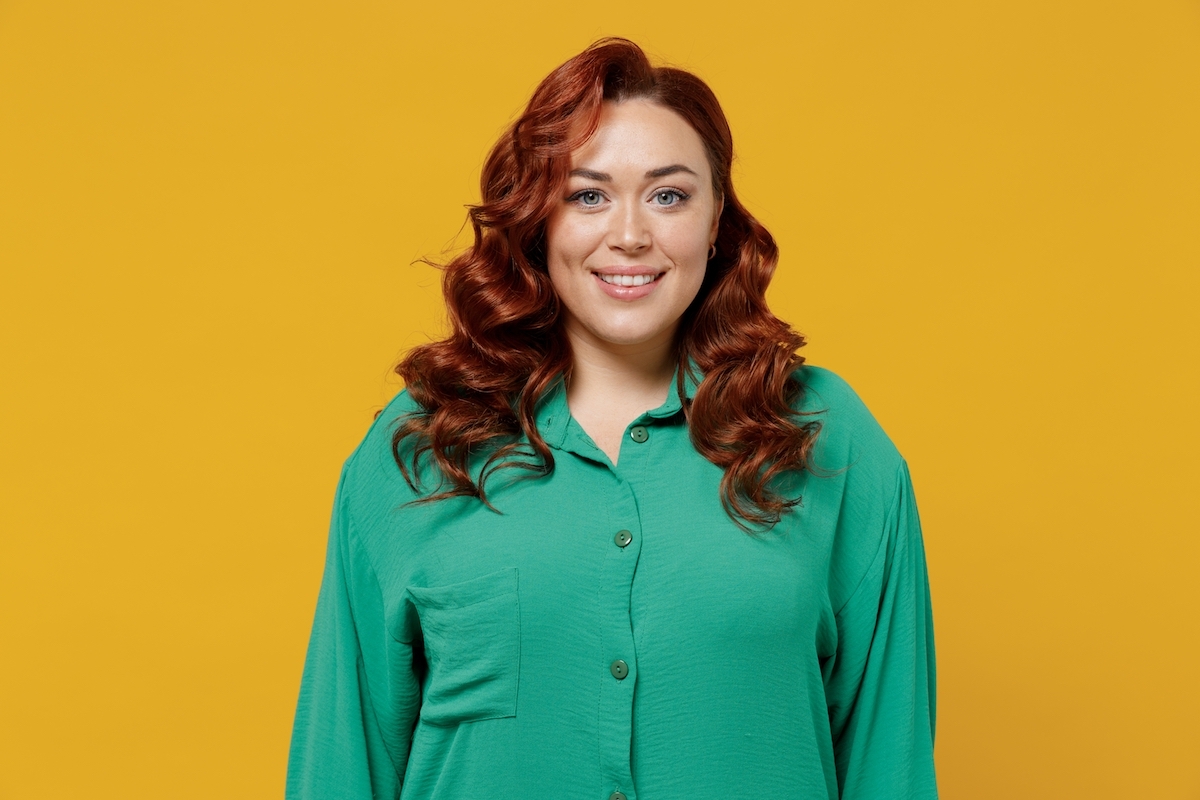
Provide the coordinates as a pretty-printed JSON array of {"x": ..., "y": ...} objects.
[{"x": 629, "y": 230}]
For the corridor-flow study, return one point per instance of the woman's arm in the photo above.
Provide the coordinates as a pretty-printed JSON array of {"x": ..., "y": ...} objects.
[
  {"x": 359, "y": 696},
  {"x": 880, "y": 686}
]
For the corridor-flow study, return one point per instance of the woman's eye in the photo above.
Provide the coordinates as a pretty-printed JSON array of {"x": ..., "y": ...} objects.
[
  {"x": 669, "y": 197},
  {"x": 588, "y": 197}
]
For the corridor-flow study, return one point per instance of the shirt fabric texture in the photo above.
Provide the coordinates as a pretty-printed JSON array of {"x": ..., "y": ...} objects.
[{"x": 458, "y": 653}]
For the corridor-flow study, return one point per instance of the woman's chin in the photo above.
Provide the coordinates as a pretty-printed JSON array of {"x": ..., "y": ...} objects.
[{"x": 626, "y": 337}]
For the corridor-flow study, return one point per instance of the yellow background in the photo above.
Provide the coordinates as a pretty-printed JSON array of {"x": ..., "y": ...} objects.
[{"x": 989, "y": 216}]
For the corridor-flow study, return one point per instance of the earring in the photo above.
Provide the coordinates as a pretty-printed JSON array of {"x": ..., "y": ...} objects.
[{"x": 712, "y": 251}]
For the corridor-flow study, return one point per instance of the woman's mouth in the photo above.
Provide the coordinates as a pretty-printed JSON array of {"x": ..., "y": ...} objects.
[
  {"x": 628, "y": 286},
  {"x": 628, "y": 280}
]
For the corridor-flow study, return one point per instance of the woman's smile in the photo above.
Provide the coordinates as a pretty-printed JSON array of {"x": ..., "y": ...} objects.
[
  {"x": 628, "y": 283},
  {"x": 628, "y": 280}
]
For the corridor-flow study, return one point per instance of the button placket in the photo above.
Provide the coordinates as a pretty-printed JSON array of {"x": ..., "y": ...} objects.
[{"x": 617, "y": 645}]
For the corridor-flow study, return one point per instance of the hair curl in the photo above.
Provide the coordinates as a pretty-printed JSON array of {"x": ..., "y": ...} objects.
[{"x": 478, "y": 388}]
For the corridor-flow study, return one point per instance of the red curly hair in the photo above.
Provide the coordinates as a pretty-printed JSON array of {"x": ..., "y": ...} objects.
[{"x": 478, "y": 388}]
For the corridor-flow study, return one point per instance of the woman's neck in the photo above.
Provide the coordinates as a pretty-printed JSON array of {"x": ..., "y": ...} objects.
[{"x": 611, "y": 385}]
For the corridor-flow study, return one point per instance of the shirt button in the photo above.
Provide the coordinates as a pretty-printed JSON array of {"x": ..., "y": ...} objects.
[
  {"x": 639, "y": 433},
  {"x": 617, "y": 796},
  {"x": 619, "y": 669},
  {"x": 623, "y": 538}
]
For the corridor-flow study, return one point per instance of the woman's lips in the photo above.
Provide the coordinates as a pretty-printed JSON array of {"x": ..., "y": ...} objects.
[{"x": 619, "y": 292}]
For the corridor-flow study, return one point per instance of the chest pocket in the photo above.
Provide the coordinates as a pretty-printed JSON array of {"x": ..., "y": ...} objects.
[{"x": 472, "y": 633}]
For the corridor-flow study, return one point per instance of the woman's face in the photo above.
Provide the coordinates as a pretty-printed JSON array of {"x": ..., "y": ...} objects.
[{"x": 628, "y": 244}]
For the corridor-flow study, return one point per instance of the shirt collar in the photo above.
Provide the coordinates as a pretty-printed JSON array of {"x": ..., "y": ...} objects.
[
  {"x": 673, "y": 405},
  {"x": 552, "y": 413}
]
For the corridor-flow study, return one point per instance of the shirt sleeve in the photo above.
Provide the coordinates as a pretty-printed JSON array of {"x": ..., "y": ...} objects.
[
  {"x": 881, "y": 686},
  {"x": 358, "y": 696}
]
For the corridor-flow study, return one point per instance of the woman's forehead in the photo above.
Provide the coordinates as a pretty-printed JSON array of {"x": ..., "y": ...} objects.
[{"x": 639, "y": 135}]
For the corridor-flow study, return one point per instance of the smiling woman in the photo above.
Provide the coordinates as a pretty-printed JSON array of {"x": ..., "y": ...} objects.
[{"x": 615, "y": 539}]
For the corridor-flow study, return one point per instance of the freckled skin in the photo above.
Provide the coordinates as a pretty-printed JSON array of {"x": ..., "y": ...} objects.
[{"x": 663, "y": 223}]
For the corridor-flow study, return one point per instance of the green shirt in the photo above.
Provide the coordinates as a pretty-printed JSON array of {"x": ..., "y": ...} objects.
[{"x": 613, "y": 632}]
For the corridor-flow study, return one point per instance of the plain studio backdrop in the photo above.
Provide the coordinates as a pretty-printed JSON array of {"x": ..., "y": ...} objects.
[{"x": 989, "y": 217}]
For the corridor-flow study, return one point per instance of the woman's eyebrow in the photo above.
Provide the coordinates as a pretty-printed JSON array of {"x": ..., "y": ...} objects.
[
  {"x": 663, "y": 171},
  {"x": 592, "y": 175}
]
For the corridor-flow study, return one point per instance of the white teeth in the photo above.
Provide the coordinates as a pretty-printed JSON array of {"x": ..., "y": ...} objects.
[{"x": 627, "y": 280}]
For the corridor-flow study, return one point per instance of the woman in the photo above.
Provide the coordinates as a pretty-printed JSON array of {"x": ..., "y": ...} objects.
[{"x": 614, "y": 541}]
